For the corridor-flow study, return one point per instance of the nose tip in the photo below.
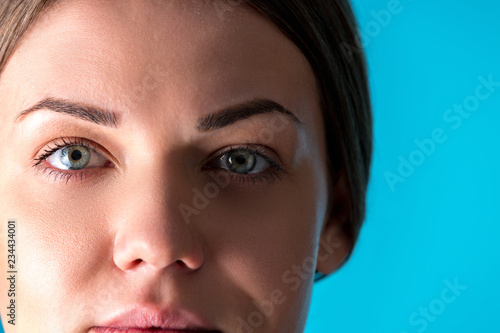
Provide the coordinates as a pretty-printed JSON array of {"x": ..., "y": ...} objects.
[
  {"x": 151, "y": 233},
  {"x": 157, "y": 252}
]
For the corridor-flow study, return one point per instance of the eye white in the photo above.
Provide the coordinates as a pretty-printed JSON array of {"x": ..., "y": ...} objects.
[
  {"x": 230, "y": 163},
  {"x": 62, "y": 158}
]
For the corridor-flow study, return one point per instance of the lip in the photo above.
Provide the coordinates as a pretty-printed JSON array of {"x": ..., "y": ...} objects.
[{"x": 142, "y": 319}]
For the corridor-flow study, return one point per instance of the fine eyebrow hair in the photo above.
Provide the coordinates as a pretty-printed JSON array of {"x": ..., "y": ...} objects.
[
  {"x": 242, "y": 111},
  {"x": 77, "y": 110},
  {"x": 214, "y": 121}
]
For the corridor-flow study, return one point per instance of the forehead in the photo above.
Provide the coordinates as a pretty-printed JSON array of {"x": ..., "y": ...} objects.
[{"x": 197, "y": 55}]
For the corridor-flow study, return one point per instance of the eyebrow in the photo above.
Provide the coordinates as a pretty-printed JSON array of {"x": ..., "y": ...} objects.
[
  {"x": 214, "y": 121},
  {"x": 232, "y": 114},
  {"x": 77, "y": 110}
]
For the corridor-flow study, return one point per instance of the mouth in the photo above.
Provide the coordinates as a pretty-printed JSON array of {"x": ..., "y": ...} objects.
[
  {"x": 144, "y": 319},
  {"x": 140, "y": 330}
]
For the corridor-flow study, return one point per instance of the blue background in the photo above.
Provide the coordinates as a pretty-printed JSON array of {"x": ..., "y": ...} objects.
[{"x": 441, "y": 223}]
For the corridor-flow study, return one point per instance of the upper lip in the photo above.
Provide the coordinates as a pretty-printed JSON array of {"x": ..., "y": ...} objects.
[{"x": 148, "y": 317}]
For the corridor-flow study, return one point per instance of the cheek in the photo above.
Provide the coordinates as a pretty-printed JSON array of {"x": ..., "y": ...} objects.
[
  {"x": 60, "y": 246},
  {"x": 268, "y": 244}
]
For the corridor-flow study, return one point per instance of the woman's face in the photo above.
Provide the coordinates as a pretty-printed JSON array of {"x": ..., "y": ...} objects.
[{"x": 153, "y": 178}]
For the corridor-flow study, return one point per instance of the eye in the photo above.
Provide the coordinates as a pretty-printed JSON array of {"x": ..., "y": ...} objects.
[
  {"x": 243, "y": 162},
  {"x": 75, "y": 157},
  {"x": 66, "y": 159},
  {"x": 248, "y": 165}
]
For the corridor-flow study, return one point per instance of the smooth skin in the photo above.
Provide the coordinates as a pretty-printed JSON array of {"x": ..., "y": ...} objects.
[{"x": 114, "y": 235}]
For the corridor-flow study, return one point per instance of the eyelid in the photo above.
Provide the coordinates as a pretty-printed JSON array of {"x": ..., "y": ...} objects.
[
  {"x": 65, "y": 176},
  {"x": 68, "y": 142},
  {"x": 268, "y": 176},
  {"x": 260, "y": 150}
]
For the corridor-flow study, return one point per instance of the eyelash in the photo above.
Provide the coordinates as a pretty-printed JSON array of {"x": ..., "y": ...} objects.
[
  {"x": 270, "y": 175},
  {"x": 66, "y": 175}
]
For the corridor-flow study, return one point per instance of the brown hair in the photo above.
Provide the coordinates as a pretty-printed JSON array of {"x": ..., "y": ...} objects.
[{"x": 320, "y": 29}]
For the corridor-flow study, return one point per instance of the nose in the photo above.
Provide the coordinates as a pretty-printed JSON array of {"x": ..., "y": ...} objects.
[{"x": 150, "y": 231}]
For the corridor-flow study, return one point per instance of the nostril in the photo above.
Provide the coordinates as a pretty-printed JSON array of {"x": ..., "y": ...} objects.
[
  {"x": 135, "y": 248},
  {"x": 136, "y": 263},
  {"x": 181, "y": 264}
]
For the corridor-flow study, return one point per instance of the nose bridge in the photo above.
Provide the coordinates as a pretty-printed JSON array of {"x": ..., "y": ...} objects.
[
  {"x": 149, "y": 227},
  {"x": 147, "y": 188}
]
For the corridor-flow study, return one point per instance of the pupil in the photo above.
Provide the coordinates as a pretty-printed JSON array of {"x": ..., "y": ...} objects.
[
  {"x": 76, "y": 155},
  {"x": 240, "y": 159}
]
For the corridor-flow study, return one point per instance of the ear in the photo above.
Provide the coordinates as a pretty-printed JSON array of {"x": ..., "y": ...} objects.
[{"x": 335, "y": 243}]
